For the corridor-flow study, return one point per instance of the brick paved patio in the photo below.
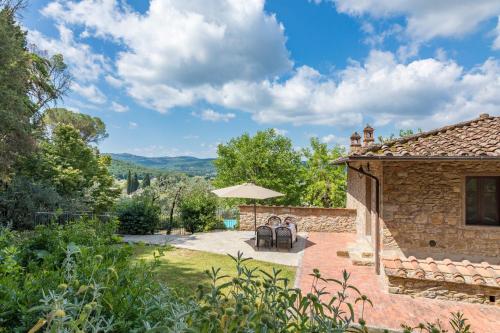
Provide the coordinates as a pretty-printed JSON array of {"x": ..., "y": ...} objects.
[{"x": 389, "y": 310}]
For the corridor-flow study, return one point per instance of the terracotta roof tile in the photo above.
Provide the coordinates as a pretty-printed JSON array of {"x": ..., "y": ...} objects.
[
  {"x": 445, "y": 270},
  {"x": 478, "y": 137}
]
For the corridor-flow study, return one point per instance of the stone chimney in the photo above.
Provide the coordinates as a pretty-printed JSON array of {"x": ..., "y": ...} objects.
[
  {"x": 355, "y": 142},
  {"x": 368, "y": 138}
]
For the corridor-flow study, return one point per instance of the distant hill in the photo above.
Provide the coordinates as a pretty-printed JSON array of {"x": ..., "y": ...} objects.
[{"x": 156, "y": 165}]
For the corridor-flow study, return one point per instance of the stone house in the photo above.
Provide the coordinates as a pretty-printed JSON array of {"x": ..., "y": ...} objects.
[{"x": 428, "y": 209}]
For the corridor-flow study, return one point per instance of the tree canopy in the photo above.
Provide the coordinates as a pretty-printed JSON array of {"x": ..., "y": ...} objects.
[
  {"x": 29, "y": 81},
  {"x": 91, "y": 129},
  {"x": 325, "y": 183},
  {"x": 266, "y": 159}
]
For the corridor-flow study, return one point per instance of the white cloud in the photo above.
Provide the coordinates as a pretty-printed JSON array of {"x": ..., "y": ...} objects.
[
  {"x": 84, "y": 65},
  {"x": 117, "y": 107},
  {"x": 496, "y": 42},
  {"x": 232, "y": 54},
  {"x": 132, "y": 125},
  {"x": 90, "y": 92},
  {"x": 427, "y": 19},
  {"x": 280, "y": 131},
  {"x": 426, "y": 91},
  {"x": 113, "y": 81},
  {"x": 204, "y": 43},
  {"x": 211, "y": 115},
  {"x": 329, "y": 138}
]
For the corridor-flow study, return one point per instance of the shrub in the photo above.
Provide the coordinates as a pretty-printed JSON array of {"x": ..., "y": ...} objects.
[
  {"x": 22, "y": 198},
  {"x": 198, "y": 211},
  {"x": 74, "y": 278},
  {"x": 138, "y": 216}
]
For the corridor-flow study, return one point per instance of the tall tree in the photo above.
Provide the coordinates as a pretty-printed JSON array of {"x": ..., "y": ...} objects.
[
  {"x": 28, "y": 82},
  {"x": 76, "y": 170},
  {"x": 92, "y": 129},
  {"x": 129, "y": 182},
  {"x": 146, "y": 181},
  {"x": 135, "y": 183},
  {"x": 325, "y": 183},
  {"x": 266, "y": 159}
]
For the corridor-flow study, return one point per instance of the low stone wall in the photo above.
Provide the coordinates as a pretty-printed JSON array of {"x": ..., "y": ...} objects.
[
  {"x": 307, "y": 218},
  {"x": 445, "y": 290}
]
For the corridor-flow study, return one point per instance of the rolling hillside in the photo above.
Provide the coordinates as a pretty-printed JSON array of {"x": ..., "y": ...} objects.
[{"x": 155, "y": 165}]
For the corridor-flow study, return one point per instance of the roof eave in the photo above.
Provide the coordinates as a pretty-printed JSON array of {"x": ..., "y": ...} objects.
[{"x": 344, "y": 160}]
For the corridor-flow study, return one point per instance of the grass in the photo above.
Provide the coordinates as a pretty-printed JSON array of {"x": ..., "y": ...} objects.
[{"x": 184, "y": 269}]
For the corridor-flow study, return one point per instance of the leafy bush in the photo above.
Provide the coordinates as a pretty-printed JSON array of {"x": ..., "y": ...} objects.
[
  {"x": 198, "y": 211},
  {"x": 75, "y": 278},
  {"x": 138, "y": 216},
  {"x": 22, "y": 198}
]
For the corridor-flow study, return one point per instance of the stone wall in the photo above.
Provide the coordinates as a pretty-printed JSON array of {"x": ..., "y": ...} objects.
[
  {"x": 445, "y": 290},
  {"x": 424, "y": 201},
  {"x": 308, "y": 219}
]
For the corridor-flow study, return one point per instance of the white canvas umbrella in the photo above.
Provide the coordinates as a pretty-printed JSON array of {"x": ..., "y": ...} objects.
[{"x": 247, "y": 191}]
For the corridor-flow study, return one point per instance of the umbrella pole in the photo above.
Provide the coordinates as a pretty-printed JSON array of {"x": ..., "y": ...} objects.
[{"x": 255, "y": 216}]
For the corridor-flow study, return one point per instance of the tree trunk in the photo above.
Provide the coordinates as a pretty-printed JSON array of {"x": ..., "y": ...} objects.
[{"x": 171, "y": 221}]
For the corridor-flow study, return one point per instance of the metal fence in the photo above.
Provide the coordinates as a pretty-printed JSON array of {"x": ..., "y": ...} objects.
[
  {"x": 65, "y": 217},
  {"x": 174, "y": 228}
]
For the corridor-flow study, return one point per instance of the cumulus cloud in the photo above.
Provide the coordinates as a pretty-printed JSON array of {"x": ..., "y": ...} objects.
[
  {"x": 91, "y": 93},
  {"x": 84, "y": 64},
  {"x": 203, "y": 43},
  {"x": 427, "y": 19},
  {"x": 113, "y": 81},
  {"x": 117, "y": 107},
  {"x": 426, "y": 91},
  {"x": 280, "y": 131},
  {"x": 132, "y": 125},
  {"x": 211, "y": 115},
  {"x": 232, "y": 54}
]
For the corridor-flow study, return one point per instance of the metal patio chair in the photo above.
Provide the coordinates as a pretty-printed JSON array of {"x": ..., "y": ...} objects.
[
  {"x": 264, "y": 233},
  {"x": 273, "y": 221},
  {"x": 283, "y": 235}
]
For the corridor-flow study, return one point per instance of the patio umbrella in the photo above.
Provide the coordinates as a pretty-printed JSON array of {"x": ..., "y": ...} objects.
[{"x": 248, "y": 191}]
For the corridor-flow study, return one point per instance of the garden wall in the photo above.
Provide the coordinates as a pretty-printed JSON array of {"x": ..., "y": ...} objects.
[{"x": 307, "y": 218}]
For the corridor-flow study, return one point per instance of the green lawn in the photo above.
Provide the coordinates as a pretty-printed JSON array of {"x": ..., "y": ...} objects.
[{"x": 185, "y": 269}]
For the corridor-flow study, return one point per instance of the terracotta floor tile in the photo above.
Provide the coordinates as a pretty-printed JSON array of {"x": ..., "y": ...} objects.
[{"x": 389, "y": 310}]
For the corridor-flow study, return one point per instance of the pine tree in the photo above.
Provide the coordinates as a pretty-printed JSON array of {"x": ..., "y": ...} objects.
[
  {"x": 135, "y": 183},
  {"x": 129, "y": 182},
  {"x": 146, "y": 181}
]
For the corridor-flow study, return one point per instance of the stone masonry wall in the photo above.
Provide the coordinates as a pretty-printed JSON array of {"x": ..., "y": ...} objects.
[
  {"x": 424, "y": 201},
  {"x": 307, "y": 219},
  {"x": 444, "y": 290}
]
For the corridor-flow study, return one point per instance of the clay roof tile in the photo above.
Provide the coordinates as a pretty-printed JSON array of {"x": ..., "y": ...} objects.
[{"x": 478, "y": 137}]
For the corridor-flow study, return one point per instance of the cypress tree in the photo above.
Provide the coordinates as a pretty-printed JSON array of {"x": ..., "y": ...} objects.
[
  {"x": 135, "y": 183},
  {"x": 129, "y": 183},
  {"x": 146, "y": 181}
]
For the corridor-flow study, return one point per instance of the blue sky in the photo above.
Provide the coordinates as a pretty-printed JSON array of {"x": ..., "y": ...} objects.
[{"x": 177, "y": 77}]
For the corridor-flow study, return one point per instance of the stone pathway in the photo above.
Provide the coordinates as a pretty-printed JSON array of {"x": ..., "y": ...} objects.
[
  {"x": 389, "y": 310},
  {"x": 228, "y": 242}
]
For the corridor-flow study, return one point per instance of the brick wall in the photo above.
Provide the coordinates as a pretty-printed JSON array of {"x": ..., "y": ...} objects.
[
  {"x": 424, "y": 201},
  {"x": 308, "y": 219}
]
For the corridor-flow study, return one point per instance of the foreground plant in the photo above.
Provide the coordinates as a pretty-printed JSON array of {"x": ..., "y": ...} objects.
[
  {"x": 80, "y": 278},
  {"x": 256, "y": 301}
]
